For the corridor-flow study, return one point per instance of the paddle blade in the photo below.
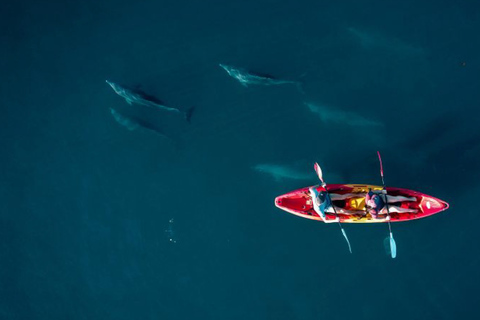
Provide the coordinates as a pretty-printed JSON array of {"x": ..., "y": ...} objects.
[
  {"x": 318, "y": 170},
  {"x": 393, "y": 246},
  {"x": 346, "y": 238},
  {"x": 381, "y": 165}
]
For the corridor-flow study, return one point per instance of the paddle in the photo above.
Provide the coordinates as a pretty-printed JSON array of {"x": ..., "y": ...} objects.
[
  {"x": 393, "y": 245},
  {"x": 318, "y": 170}
]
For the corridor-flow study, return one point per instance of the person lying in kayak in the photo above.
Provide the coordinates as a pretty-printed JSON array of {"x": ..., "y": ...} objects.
[
  {"x": 323, "y": 203},
  {"x": 375, "y": 204}
]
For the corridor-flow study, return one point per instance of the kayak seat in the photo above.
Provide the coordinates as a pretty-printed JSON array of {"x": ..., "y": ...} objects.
[{"x": 356, "y": 204}]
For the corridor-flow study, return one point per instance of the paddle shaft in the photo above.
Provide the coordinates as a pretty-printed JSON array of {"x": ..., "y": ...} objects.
[
  {"x": 384, "y": 188},
  {"x": 318, "y": 170},
  {"x": 336, "y": 215},
  {"x": 331, "y": 202},
  {"x": 392, "y": 241}
]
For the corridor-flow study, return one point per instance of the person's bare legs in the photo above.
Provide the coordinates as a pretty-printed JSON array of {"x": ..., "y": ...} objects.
[
  {"x": 393, "y": 199},
  {"x": 342, "y": 211},
  {"x": 395, "y": 209},
  {"x": 336, "y": 196}
]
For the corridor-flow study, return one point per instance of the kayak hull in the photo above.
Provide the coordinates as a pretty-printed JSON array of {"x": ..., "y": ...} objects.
[{"x": 352, "y": 209}]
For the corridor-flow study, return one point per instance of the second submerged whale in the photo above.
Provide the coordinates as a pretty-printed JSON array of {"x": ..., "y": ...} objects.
[{"x": 133, "y": 123}]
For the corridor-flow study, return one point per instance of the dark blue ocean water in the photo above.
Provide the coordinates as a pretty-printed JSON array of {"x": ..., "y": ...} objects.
[{"x": 99, "y": 222}]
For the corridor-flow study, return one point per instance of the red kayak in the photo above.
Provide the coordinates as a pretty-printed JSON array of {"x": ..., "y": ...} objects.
[
  {"x": 359, "y": 203},
  {"x": 352, "y": 209}
]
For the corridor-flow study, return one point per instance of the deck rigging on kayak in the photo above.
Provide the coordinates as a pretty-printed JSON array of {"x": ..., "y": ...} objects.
[{"x": 359, "y": 203}]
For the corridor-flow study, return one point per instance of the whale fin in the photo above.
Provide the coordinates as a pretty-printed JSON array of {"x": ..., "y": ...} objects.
[{"x": 188, "y": 114}]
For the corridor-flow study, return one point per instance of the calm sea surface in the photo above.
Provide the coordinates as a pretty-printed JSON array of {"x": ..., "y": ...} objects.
[{"x": 99, "y": 222}]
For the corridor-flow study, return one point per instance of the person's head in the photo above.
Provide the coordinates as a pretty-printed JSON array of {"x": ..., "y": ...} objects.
[
  {"x": 322, "y": 196},
  {"x": 370, "y": 203}
]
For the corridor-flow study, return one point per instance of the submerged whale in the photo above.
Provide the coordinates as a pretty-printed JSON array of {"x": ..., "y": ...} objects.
[
  {"x": 330, "y": 114},
  {"x": 132, "y": 123},
  {"x": 375, "y": 41},
  {"x": 135, "y": 96},
  {"x": 245, "y": 77}
]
